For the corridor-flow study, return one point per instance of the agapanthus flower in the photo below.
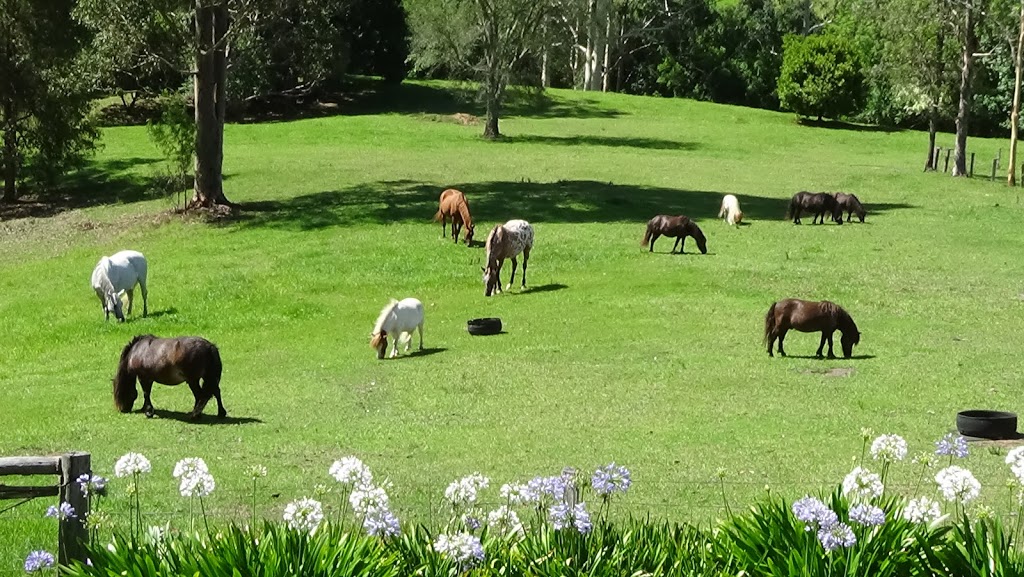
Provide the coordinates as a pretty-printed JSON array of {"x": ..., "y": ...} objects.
[
  {"x": 464, "y": 491},
  {"x": 611, "y": 479},
  {"x": 563, "y": 517},
  {"x": 381, "y": 523},
  {"x": 197, "y": 484},
  {"x": 304, "y": 515},
  {"x": 504, "y": 521},
  {"x": 867, "y": 515},
  {"x": 553, "y": 487},
  {"x": 132, "y": 464},
  {"x": 64, "y": 511},
  {"x": 92, "y": 484},
  {"x": 862, "y": 484},
  {"x": 889, "y": 448},
  {"x": 38, "y": 560},
  {"x": 836, "y": 536},
  {"x": 462, "y": 548},
  {"x": 922, "y": 510},
  {"x": 471, "y": 522},
  {"x": 814, "y": 514},
  {"x": 351, "y": 471},
  {"x": 256, "y": 471},
  {"x": 958, "y": 484},
  {"x": 1015, "y": 459},
  {"x": 951, "y": 445},
  {"x": 365, "y": 500},
  {"x": 518, "y": 493},
  {"x": 189, "y": 466}
]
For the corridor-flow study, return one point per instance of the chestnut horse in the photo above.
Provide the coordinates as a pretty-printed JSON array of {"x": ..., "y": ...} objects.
[
  {"x": 172, "y": 361},
  {"x": 851, "y": 205},
  {"x": 677, "y": 226},
  {"x": 810, "y": 317},
  {"x": 454, "y": 205},
  {"x": 817, "y": 203},
  {"x": 506, "y": 241}
]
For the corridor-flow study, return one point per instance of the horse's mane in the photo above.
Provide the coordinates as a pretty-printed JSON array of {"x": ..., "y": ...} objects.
[
  {"x": 497, "y": 234},
  {"x": 463, "y": 206},
  {"x": 384, "y": 312},
  {"x": 101, "y": 276}
]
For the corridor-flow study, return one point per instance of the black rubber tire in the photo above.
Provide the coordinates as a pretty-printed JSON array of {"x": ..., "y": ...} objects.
[
  {"x": 482, "y": 327},
  {"x": 986, "y": 424}
]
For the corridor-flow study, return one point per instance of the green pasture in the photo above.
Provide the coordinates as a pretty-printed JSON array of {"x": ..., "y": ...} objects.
[{"x": 654, "y": 361}]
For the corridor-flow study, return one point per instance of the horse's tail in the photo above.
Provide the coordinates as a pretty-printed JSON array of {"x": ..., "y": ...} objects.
[
  {"x": 791, "y": 210},
  {"x": 214, "y": 367},
  {"x": 769, "y": 322},
  {"x": 647, "y": 236},
  {"x": 723, "y": 210},
  {"x": 125, "y": 392}
]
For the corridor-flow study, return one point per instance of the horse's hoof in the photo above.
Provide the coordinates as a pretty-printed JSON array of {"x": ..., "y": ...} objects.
[
  {"x": 222, "y": 414},
  {"x": 149, "y": 414}
]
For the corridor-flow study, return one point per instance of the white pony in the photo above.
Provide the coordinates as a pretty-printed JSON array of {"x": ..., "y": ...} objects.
[
  {"x": 398, "y": 318},
  {"x": 116, "y": 275},
  {"x": 731, "y": 210}
]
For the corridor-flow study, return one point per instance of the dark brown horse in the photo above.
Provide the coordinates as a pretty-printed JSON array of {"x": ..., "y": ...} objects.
[
  {"x": 850, "y": 204},
  {"x": 677, "y": 226},
  {"x": 151, "y": 359},
  {"x": 817, "y": 203},
  {"x": 810, "y": 317},
  {"x": 454, "y": 205}
]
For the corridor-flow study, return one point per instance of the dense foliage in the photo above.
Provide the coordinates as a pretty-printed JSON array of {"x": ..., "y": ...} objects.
[{"x": 821, "y": 76}]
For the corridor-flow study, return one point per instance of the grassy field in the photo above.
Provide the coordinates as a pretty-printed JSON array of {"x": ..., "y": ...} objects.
[{"x": 651, "y": 360}]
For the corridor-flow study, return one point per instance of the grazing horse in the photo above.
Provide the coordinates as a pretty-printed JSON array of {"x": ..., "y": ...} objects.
[
  {"x": 677, "y": 226},
  {"x": 120, "y": 273},
  {"x": 731, "y": 210},
  {"x": 150, "y": 359},
  {"x": 818, "y": 203},
  {"x": 851, "y": 205},
  {"x": 454, "y": 205},
  {"x": 399, "y": 318},
  {"x": 506, "y": 241},
  {"x": 810, "y": 317}
]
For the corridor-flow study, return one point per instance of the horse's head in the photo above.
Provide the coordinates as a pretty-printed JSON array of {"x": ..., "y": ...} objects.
[
  {"x": 112, "y": 304},
  {"x": 491, "y": 281},
  {"x": 861, "y": 213},
  {"x": 698, "y": 235},
  {"x": 379, "y": 341},
  {"x": 849, "y": 339},
  {"x": 837, "y": 213},
  {"x": 469, "y": 235}
]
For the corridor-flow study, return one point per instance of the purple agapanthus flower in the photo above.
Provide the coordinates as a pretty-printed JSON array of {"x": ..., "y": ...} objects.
[
  {"x": 38, "y": 560},
  {"x": 381, "y": 523},
  {"x": 563, "y": 517},
  {"x": 64, "y": 511},
  {"x": 951, "y": 445},
  {"x": 867, "y": 515},
  {"x": 611, "y": 479},
  {"x": 836, "y": 536},
  {"x": 814, "y": 514}
]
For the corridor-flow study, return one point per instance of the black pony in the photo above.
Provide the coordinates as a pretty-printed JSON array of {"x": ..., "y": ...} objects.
[
  {"x": 850, "y": 204},
  {"x": 150, "y": 359},
  {"x": 818, "y": 203},
  {"x": 677, "y": 226}
]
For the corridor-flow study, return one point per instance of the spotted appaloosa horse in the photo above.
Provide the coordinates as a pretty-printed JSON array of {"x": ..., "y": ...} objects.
[{"x": 506, "y": 241}]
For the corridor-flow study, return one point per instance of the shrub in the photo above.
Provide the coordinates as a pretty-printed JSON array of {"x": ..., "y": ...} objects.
[{"x": 821, "y": 76}]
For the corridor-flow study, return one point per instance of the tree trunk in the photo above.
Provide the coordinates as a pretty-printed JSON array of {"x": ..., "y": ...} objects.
[
  {"x": 932, "y": 162},
  {"x": 211, "y": 73},
  {"x": 10, "y": 154},
  {"x": 493, "y": 103},
  {"x": 608, "y": 44},
  {"x": 1011, "y": 175},
  {"x": 963, "y": 115}
]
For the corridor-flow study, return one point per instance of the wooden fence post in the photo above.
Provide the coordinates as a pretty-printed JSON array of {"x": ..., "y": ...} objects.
[
  {"x": 946, "y": 169},
  {"x": 971, "y": 173},
  {"x": 995, "y": 166},
  {"x": 73, "y": 534}
]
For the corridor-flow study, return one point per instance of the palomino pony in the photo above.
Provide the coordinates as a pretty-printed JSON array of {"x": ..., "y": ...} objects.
[
  {"x": 506, "y": 241},
  {"x": 731, "y": 210},
  {"x": 453, "y": 204},
  {"x": 399, "y": 318},
  {"x": 120, "y": 273},
  {"x": 677, "y": 226},
  {"x": 818, "y": 203},
  {"x": 850, "y": 204},
  {"x": 150, "y": 359},
  {"x": 810, "y": 317}
]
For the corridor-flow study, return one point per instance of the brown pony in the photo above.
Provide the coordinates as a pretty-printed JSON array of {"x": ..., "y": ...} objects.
[
  {"x": 677, "y": 226},
  {"x": 454, "y": 205},
  {"x": 810, "y": 317},
  {"x": 151, "y": 359},
  {"x": 851, "y": 205}
]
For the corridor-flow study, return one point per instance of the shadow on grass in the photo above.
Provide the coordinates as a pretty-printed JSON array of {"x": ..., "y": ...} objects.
[
  {"x": 544, "y": 288},
  {"x": 565, "y": 201},
  {"x": 426, "y": 352},
  {"x": 592, "y": 140},
  {"x": 164, "y": 313},
  {"x": 98, "y": 183},
  {"x": 838, "y": 358},
  {"x": 204, "y": 419},
  {"x": 840, "y": 125}
]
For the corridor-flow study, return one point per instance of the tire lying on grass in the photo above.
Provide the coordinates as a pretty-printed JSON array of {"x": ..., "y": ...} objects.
[
  {"x": 481, "y": 327},
  {"x": 986, "y": 424}
]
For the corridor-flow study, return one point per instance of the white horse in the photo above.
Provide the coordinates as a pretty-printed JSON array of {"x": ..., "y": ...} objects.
[
  {"x": 731, "y": 210},
  {"x": 118, "y": 274},
  {"x": 398, "y": 318}
]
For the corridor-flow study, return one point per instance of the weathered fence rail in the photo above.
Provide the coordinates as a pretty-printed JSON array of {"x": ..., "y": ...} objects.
[{"x": 72, "y": 533}]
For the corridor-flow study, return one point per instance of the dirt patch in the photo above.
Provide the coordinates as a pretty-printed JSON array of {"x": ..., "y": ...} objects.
[
  {"x": 460, "y": 118},
  {"x": 833, "y": 372}
]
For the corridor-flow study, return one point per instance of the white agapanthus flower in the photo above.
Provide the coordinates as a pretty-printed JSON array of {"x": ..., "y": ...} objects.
[
  {"x": 862, "y": 484},
  {"x": 1015, "y": 459},
  {"x": 351, "y": 471},
  {"x": 189, "y": 466},
  {"x": 889, "y": 448},
  {"x": 922, "y": 510},
  {"x": 366, "y": 499},
  {"x": 958, "y": 484},
  {"x": 197, "y": 484},
  {"x": 518, "y": 493},
  {"x": 464, "y": 549},
  {"x": 304, "y": 515},
  {"x": 464, "y": 491},
  {"x": 504, "y": 521},
  {"x": 131, "y": 464}
]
